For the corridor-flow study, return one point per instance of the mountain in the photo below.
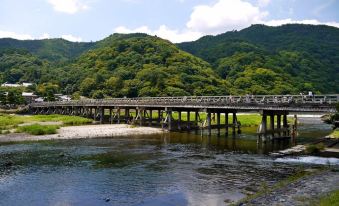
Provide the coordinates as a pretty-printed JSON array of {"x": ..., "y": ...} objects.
[
  {"x": 120, "y": 65},
  {"x": 286, "y": 59},
  {"x": 289, "y": 59},
  {"x": 141, "y": 65},
  {"x": 48, "y": 49}
]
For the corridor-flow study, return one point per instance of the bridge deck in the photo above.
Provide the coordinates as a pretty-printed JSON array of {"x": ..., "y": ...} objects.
[{"x": 290, "y": 103}]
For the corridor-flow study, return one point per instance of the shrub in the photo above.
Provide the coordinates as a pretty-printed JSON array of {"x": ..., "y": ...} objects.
[
  {"x": 36, "y": 129},
  {"x": 65, "y": 119},
  {"x": 314, "y": 148}
]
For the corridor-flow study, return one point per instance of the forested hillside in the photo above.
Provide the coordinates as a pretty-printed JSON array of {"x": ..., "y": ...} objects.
[
  {"x": 139, "y": 65},
  {"x": 258, "y": 60},
  {"x": 262, "y": 59},
  {"x": 48, "y": 49}
]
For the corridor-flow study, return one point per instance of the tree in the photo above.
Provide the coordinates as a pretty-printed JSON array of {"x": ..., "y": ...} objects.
[
  {"x": 14, "y": 97},
  {"x": 98, "y": 94},
  {"x": 87, "y": 86},
  {"x": 3, "y": 98},
  {"x": 48, "y": 90}
]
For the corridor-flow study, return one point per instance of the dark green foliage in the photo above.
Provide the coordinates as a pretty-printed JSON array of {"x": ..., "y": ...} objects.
[
  {"x": 37, "y": 129},
  {"x": 296, "y": 58},
  {"x": 141, "y": 65},
  {"x": 48, "y": 49},
  {"x": 314, "y": 148},
  {"x": 258, "y": 60},
  {"x": 13, "y": 96}
]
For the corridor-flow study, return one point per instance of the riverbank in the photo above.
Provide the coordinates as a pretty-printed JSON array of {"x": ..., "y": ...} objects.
[
  {"x": 10, "y": 123},
  {"x": 82, "y": 132},
  {"x": 306, "y": 190}
]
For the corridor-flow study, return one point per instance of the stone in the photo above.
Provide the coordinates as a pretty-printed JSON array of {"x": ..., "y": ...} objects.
[{"x": 9, "y": 164}]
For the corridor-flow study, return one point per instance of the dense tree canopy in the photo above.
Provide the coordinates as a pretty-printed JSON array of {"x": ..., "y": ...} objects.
[
  {"x": 301, "y": 57},
  {"x": 258, "y": 60}
]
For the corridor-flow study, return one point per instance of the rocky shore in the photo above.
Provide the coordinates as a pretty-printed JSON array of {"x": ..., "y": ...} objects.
[
  {"x": 85, "y": 131},
  {"x": 305, "y": 191}
]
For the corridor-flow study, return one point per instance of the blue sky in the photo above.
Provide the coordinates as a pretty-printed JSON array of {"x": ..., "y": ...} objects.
[{"x": 176, "y": 20}]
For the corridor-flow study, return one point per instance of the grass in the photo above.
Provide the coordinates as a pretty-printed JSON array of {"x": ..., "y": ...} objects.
[
  {"x": 9, "y": 122},
  {"x": 65, "y": 119},
  {"x": 37, "y": 129},
  {"x": 332, "y": 199},
  {"x": 335, "y": 134},
  {"x": 264, "y": 189},
  {"x": 314, "y": 148}
]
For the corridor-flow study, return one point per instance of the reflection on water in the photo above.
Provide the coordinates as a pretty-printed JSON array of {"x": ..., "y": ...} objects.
[{"x": 168, "y": 169}]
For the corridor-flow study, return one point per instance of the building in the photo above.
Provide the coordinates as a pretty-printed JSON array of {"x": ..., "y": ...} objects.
[
  {"x": 10, "y": 85},
  {"x": 24, "y": 84},
  {"x": 39, "y": 99},
  {"x": 29, "y": 97}
]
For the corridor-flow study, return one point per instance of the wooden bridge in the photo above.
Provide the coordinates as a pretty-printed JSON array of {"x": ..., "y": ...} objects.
[{"x": 200, "y": 111}]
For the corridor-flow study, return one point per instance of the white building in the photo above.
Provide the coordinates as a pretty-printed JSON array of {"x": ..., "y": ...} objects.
[
  {"x": 10, "y": 85},
  {"x": 29, "y": 97},
  {"x": 24, "y": 84}
]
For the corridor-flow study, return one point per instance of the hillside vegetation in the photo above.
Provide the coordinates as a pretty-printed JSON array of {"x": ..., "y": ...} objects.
[
  {"x": 258, "y": 60},
  {"x": 262, "y": 59}
]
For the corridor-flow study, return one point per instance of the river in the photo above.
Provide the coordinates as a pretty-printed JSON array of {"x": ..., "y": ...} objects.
[{"x": 168, "y": 169}]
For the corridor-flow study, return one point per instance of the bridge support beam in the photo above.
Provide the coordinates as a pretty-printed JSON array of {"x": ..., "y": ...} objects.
[
  {"x": 234, "y": 122},
  {"x": 150, "y": 117},
  {"x": 102, "y": 114},
  {"x": 209, "y": 122},
  {"x": 272, "y": 130},
  {"x": 226, "y": 123},
  {"x": 188, "y": 120},
  {"x": 179, "y": 120},
  {"x": 218, "y": 123}
]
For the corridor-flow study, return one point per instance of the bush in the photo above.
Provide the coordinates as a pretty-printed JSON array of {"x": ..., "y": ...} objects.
[
  {"x": 37, "y": 129},
  {"x": 330, "y": 199},
  {"x": 314, "y": 148},
  {"x": 65, "y": 119}
]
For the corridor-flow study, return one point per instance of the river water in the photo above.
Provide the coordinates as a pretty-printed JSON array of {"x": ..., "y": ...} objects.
[{"x": 168, "y": 169}]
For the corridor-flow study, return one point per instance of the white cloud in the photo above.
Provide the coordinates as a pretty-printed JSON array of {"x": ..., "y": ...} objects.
[
  {"x": 68, "y": 6},
  {"x": 263, "y": 3},
  {"x": 14, "y": 35},
  {"x": 163, "y": 32},
  {"x": 72, "y": 38},
  {"x": 223, "y": 16},
  {"x": 44, "y": 36},
  {"x": 10, "y": 34},
  {"x": 280, "y": 22}
]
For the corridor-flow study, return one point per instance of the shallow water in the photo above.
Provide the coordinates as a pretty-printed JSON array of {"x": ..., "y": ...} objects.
[{"x": 168, "y": 169}]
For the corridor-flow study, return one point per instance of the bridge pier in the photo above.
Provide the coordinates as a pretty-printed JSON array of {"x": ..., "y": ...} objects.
[
  {"x": 265, "y": 131},
  {"x": 218, "y": 123},
  {"x": 209, "y": 122},
  {"x": 226, "y": 122},
  {"x": 188, "y": 119}
]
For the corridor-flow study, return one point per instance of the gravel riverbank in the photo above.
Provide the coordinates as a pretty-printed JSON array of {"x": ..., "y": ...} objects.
[
  {"x": 85, "y": 131},
  {"x": 302, "y": 192}
]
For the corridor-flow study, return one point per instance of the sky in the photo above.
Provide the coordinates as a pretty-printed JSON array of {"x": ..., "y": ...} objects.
[{"x": 175, "y": 20}]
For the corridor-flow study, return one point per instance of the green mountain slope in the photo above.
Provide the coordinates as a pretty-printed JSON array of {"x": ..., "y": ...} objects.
[
  {"x": 141, "y": 65},
  {"x": 261, "y": 59},
  {"x": 48, "y": 49},
  {"x": 21, "y": 66},
  {"x": 258, "y": 60}
]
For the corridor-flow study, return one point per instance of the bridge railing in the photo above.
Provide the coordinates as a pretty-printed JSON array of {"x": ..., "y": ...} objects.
[{"x": 314, "y": 100}]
